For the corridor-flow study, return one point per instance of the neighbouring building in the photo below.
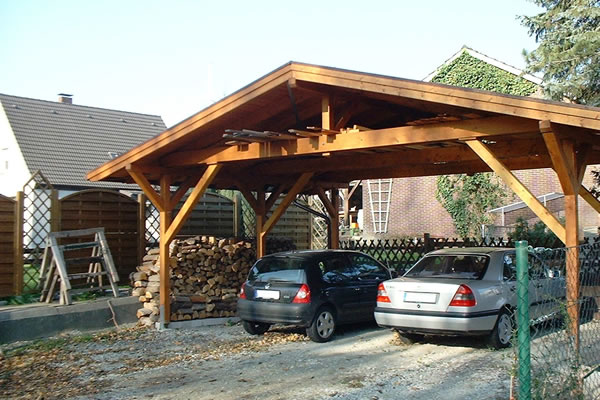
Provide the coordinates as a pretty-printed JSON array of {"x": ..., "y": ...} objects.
[
  {"x": 408, "y": 206},
  {"x": 64, "y": 141}
]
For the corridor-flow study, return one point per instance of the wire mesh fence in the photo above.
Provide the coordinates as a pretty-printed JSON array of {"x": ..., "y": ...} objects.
[{"x": 563, "y": 293}]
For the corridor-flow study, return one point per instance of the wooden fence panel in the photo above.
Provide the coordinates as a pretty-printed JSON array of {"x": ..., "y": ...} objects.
[
  {"x": 294, "y": 224},
  {"x": 8, "y": 274},
  {"x": 213, "y": 215},
  {"x": 116, "y": 213}
]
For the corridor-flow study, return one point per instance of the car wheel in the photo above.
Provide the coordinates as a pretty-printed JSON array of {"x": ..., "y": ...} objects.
[
  {"x": 409, "y": 338},
  {"x": 255, "y": 328},
  {"x": 501, "y": 336},
  {"x": 323, "y": 325}
]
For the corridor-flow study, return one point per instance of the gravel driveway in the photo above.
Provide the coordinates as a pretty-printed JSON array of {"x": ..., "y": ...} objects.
[{"x": 223, "y": 362}]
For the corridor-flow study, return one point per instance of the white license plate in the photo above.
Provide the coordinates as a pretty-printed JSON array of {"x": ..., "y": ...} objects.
[
  {"x": 267, "y": 294},
  {"x": 420, "y": 297}
]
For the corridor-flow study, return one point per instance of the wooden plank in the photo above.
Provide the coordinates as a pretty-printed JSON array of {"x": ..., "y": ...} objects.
[
  {"x": 327, "y": 122},
  {"x": 287, "y": 200},
  {"x": 273, "y": 197},
  {"x": 520, "y": 190},
  {"x": 18, "y": 260}
]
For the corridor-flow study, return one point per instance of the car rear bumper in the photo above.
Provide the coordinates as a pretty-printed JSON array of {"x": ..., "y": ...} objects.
[
  {"x": 275, "y": 313},
  {"x": 436, "y": 322}
]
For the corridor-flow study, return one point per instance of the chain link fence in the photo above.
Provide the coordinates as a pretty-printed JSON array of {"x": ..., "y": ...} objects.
[{"x": 559, "y": 356}]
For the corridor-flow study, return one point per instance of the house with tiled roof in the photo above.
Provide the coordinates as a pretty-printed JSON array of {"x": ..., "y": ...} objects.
[
  {"x": 408, "y": 206},
  {"x": 64, "y": 141}
]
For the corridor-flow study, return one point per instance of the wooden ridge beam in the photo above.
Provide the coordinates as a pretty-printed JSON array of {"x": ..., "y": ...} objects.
[
  {"x": 520, "y": 190},
  {"x": 362, "y": 140}
]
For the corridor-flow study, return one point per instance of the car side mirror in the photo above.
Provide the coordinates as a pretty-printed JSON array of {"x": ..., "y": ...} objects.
[{"x": 394, "y": 273}]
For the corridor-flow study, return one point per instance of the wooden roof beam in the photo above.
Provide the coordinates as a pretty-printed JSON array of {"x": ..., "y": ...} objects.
[{"x": 364, "y": 140}]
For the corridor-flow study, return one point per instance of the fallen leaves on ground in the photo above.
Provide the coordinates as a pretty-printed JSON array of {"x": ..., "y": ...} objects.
[{"x": 80, "y": 365}]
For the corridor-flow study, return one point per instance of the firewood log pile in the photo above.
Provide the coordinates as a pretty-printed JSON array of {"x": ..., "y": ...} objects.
[{"x": 206, "y": 276}]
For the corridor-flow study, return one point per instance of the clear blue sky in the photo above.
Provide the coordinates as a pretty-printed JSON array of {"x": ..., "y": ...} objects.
[{"x": 173, "y": 58}]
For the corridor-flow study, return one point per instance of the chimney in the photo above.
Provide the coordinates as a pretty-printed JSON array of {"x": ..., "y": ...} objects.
[{"x": 65, "y": 98}]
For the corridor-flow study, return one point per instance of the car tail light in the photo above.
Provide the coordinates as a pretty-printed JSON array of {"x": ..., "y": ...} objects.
[
  {"x": 303, "y": 295},
  {"x": 243, "y": 291},
  {"x": 382, "y": 296},
  {"x": 464, "y": 297}
]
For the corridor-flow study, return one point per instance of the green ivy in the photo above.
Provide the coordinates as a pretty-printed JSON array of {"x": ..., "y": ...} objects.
[
  {"x": 468, "y": 71},
  {"x": 467, "y": 198}
]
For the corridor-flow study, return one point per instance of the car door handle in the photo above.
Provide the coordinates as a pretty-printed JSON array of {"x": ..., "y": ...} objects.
[{"x": 357, "y": 289}]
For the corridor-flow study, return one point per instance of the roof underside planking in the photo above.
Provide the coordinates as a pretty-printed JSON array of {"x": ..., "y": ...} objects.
[{"x": 271, "y": 131}]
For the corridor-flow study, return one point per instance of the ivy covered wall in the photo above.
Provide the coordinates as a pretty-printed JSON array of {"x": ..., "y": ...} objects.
[{"x": 468, "y": 71}]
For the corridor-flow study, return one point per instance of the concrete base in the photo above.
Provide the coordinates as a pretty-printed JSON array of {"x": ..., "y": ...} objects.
[
  {"x": 43, "y": 320},
  {"x": 197, "y": 323}
]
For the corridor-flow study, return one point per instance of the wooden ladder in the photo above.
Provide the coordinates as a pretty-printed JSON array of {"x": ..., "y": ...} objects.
[{"x": 54, "y": 269}]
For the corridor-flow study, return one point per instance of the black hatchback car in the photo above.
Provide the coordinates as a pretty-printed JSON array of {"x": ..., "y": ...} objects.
[{"x": 315, "y": 289}]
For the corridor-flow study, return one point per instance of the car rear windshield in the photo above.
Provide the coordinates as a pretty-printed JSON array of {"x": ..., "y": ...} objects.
[
  {"x": 279, "y": 269},
  {"x": 450, "y": 266}
]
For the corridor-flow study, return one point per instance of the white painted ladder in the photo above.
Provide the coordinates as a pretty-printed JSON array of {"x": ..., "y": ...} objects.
[{"x": 380, "y": 196}]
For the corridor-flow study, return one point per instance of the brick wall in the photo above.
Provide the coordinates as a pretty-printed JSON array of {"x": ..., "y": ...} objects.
[{"x": 414, "y": 209}]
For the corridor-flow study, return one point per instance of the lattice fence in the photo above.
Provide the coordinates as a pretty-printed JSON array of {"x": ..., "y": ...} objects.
[{"x": 38, "y": 199}]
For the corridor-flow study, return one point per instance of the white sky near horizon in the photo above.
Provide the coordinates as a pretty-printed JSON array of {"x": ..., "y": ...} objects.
[{"x": 174, "y": 58}]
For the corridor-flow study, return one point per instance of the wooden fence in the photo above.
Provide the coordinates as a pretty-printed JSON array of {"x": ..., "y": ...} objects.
[
  {"x": 8, "y": 274},
  {"x": 130, "y": 226}
]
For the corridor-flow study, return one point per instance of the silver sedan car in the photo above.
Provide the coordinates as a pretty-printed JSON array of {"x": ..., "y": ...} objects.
[{"x": 465, "y": 291}]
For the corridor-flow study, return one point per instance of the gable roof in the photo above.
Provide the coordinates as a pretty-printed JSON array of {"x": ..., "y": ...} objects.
[
  {"x": 65, "y": 141},
  {"x": 413, "y": 128},
  {"x": 488, "y": 60}
]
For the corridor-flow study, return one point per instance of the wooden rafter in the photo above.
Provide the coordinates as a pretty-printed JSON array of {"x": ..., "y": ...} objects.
[{"x": 520, "y": 190}]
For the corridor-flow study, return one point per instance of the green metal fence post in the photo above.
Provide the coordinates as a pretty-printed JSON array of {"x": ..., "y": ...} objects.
[{"x": 524, "y": 350}]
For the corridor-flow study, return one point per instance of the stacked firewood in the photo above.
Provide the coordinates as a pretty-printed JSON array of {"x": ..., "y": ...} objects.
[{"x": 206, "y": 275}]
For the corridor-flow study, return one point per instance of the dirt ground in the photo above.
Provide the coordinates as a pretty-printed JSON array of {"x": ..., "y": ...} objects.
[{"x": 223, "y": 362}]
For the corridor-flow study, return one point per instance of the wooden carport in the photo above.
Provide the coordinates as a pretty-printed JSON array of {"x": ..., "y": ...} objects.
[{"x": 308, "y": 129}]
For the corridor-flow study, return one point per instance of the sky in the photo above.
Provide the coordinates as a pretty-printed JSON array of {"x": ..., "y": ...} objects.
[{"x": 174, "y": 58}]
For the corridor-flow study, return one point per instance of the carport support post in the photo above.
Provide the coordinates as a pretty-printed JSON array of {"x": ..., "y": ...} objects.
[
  {"x": 524, "y": 349},
  {"x": 165, "y": 222}
]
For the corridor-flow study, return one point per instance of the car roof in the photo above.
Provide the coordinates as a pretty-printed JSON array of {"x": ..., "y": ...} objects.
[
  {"x": 310, "y": 254},
  {"x": 470, "y": 250}
]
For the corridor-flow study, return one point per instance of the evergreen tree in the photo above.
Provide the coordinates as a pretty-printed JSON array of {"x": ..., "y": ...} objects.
[{"x": 568, "y": 56}]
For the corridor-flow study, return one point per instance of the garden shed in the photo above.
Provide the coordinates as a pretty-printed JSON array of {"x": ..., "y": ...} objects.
[{"x": 309, "y": 129}]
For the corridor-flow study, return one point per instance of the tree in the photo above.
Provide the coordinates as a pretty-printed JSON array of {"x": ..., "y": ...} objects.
[
  {"x": 468, "y": 198},
  {"x": 568, "y": 55}
]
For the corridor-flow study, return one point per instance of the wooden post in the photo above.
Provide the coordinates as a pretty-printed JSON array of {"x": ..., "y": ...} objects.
[
  {"x": 165, "y": 278},
  {"x": 573, "y": 281},
  {"x": 55, "y": 212},
  {"x": 335, "y": 220},
  {"x": 141, "y": 198},
  {"x": 237, "y": 215},
  {"x": 18, "y": 243},
  {"x": 261, "y": 216}
]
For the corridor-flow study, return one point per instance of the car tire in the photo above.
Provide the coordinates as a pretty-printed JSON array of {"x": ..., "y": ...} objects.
[
  {"x": 501, "y": 335},
  {"x": 255, "y": 328},
  {"x": 409, "y": 338},
  {"x": 323, "y": 325}
]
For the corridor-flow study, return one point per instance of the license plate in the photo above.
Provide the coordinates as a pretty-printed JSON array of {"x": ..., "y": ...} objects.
[
  {"x": 267, "y": 294},
  {"x": 420, "y": 297}
]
